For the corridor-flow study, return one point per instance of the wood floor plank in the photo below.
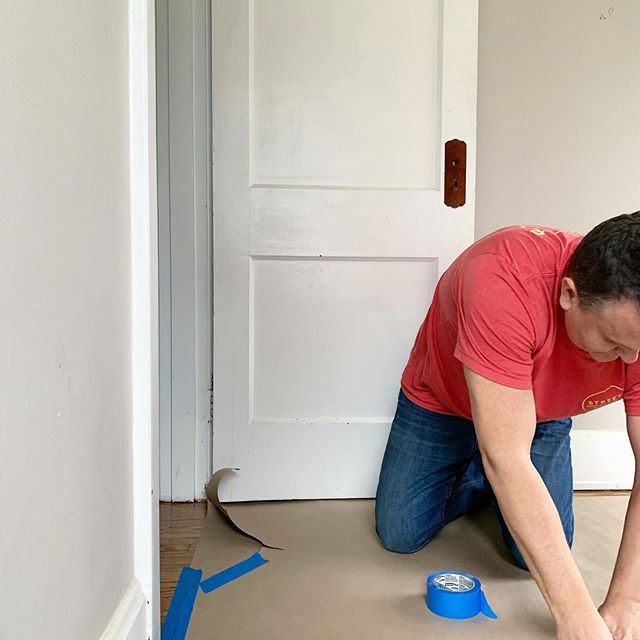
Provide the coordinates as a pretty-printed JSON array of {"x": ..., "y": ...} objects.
[{"x": 180, "y": 526}]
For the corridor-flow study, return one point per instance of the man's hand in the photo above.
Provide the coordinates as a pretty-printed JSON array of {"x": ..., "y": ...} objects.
[
  {"x": 622, "y": 617},
  {"x": 584, "y": 627},
  {"x": 621, "y": 608}
]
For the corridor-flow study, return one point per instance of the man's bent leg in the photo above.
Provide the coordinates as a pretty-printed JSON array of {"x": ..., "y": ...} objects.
[
  {"x": 471, "y": 492},
  {"x": 426, "y": 457},
  {"x": 551, "y": 456}
]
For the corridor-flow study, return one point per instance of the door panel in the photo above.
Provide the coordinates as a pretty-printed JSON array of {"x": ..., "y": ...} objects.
[
  {"x": 314, "y": 324},
  {"x": 333, "y": 81}
]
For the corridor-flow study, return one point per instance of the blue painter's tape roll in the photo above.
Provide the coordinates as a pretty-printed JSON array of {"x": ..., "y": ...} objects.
[{"x": 456, "y": 595}]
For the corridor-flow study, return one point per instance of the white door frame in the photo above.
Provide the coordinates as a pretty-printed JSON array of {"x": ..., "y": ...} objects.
[
  {"x": 144, "y": 306},
  {"x": 184, "y": 210}
]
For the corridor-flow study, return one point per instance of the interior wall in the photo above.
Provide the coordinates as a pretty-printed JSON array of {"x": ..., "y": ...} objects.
[
  {"x": 558, "y": 119},
  {"x": 65, "y": 401}
]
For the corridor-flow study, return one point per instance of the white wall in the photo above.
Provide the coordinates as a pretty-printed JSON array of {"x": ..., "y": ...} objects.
[
  {"x": 66, "y": 551},
  {"x": 558, "y": 119},
  {"x": 558, "y": 112}
]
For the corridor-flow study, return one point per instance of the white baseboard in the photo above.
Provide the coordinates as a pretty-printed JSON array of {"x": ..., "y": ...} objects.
[
  {"x": 129, "y": 620},
  {"x": 601, "y": 459}
]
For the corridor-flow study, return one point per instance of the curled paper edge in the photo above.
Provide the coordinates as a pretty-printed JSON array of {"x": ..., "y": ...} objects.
[{"x": 213, "y": 496}]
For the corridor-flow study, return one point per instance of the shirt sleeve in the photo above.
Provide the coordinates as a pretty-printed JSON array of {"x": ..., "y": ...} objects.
[
  {"x": 631, "y": 394},
  {"x": 496, "y": 333}
]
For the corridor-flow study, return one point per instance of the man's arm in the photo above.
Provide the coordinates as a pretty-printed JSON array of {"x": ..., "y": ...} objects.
[
  {"x": 505, "y": 422},
  {"x": 621, "y": 609}
]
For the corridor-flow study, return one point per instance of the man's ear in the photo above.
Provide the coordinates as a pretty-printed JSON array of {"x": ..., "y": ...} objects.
[{"x": 568, "y": 294}]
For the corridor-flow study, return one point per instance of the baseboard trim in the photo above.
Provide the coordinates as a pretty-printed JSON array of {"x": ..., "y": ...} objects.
[
  {"x": 129, "y": 619},
  {"x": 601, "y": 459}
]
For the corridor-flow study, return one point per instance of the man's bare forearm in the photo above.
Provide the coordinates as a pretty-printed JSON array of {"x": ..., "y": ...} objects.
[
  {"x": 505, "y": 422},
  {"x": 535, "y": 525}
]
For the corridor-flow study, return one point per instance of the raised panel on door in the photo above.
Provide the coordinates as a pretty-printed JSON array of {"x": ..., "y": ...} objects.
[
  {"x": 333, "y": 80},
  {"x": 331, "y": 232}
]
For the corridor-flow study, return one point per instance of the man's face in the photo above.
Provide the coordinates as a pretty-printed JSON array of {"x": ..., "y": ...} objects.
[{"x": 605, "y": 333}]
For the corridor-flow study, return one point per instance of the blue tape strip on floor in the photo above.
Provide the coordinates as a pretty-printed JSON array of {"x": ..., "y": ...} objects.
[
  {"x": 236, "y": 571},
  {"x": 184, "y": 597}
]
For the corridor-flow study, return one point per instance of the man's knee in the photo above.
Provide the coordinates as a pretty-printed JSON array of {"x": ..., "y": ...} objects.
[
  {"x": 401, "y": 544},
  {"x": 394, "y": 537}
]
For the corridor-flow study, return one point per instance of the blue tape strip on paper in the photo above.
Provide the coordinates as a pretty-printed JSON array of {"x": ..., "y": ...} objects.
[
  {"x": 184, "y": 597},
  {"x": 232, "y": 573}
]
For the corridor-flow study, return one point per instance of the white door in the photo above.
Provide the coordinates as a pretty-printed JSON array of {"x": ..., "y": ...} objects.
[{"x": 329, "y": 124}]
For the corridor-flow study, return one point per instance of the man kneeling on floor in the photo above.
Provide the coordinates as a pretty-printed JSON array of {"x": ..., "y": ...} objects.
[{"x": 528, "y": 326}]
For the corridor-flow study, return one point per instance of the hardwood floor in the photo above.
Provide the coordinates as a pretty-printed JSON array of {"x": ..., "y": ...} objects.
[{"x": 180, "y": 525}]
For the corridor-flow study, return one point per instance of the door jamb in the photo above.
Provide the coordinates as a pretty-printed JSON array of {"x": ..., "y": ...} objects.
[{"x": 185, "y": 247}]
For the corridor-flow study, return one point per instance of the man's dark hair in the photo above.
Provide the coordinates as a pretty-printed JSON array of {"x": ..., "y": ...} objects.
[{"x": 606, "y": 264}]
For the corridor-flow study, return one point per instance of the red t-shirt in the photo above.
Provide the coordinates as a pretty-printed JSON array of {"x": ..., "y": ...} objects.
[{"x": 497, "y": 311}]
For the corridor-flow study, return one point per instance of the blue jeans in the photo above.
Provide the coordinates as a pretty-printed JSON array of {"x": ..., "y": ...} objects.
[{"x": 432, "y": 473}]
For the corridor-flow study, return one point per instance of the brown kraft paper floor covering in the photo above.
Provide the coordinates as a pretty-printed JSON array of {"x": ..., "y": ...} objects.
[{"x": 334, "y": 580}]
